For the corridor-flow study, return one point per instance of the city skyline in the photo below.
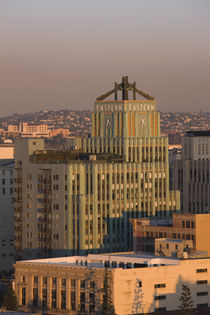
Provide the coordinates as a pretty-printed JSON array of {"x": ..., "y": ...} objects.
[{"x": 63, "y": 55}]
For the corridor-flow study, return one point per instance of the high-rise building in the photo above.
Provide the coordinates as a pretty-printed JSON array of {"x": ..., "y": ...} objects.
[
  {"x": 7, "y": 253},
  {"x": 75, "y": 203},
  {"x": 191, "y": 174}
]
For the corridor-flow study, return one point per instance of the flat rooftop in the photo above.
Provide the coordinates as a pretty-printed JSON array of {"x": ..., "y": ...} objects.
[
  {"x": 201, "y": 133},
  {"x": 69, "y": 156},
  {"x": 119, "y": 260},
  {"x": 169, "y": 240}
]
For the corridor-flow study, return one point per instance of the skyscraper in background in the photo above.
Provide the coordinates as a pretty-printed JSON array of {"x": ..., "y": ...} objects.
[{"x": 191, "y": 173}]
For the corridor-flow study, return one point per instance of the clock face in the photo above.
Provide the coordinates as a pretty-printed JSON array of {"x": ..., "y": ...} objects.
[
  {"x": 108, "y": 123},
  {"x": 143, "y": 122}
]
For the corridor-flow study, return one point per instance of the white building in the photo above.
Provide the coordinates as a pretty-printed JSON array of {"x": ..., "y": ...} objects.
[
  {"x": 138, "y": 284},
  {"x": 26, "y": 130}
]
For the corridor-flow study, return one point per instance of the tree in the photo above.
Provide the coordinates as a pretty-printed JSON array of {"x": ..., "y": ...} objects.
[
  {"x": 186, "y": 302},
  {"x": 10, "y": 299},
  {"x": 138, "y": 305},
  {"x": 108, "y": 307}
]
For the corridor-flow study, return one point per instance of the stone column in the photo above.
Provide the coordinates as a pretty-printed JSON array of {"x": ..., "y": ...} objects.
[
  {"x": 26, "y": 293},
  {"x": 68, "y": 293},
  {"x": 19, "y": 293},
  {"x": 49, "y": 293},
  {"x": 58, "y": 294},
  {"x": 77, "y": 295},
  {"x": 40, "y": 291},
  {"x": 30, "y": 290}
]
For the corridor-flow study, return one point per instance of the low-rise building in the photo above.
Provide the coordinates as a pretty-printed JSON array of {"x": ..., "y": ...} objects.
[
  {"x": 60, "y": 131},
  {"x": 185, "y": 226},
  {"x": 137, "y": 284},
  {"x": 6, "y": 151},
  {"x": 167, "y": 247},
  {"x": 26, "y": 130}
]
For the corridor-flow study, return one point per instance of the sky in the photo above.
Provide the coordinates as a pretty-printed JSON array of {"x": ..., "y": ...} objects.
[{"x": 62, "y": 54}]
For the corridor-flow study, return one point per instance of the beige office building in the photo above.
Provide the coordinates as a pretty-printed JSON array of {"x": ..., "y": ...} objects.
[{"x": 139, "y": 284}]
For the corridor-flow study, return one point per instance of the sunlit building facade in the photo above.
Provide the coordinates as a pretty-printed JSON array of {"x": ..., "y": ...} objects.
[{"x": 76, "y": 203}]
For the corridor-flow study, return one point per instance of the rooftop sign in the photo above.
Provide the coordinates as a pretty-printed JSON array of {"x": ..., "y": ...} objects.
[{"x": 125, "y": 106}]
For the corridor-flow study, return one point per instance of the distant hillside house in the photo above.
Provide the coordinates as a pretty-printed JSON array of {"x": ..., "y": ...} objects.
[{"x": 26, "y": 130}]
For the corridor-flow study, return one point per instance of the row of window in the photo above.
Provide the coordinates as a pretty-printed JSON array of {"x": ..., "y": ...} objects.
[
  {"x": 11, "y": 190},
  {"x": 3, "y": 181},
  {"x": 188, "y": 224},
  {"x": 9, "y": 255},
  {"x": 10, "y": 242},
  {"x": 4, "y": 172}
]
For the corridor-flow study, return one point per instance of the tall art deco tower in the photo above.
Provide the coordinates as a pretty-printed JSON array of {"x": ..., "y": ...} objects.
[
  {"x": 137, "y": 186},
  {"x": 83, "y": 202}
]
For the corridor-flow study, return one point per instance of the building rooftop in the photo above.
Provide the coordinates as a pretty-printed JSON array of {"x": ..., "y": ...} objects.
[
  {"x": 199, "y": 133},
  {"x": 7, "y": 162},
  {"x": 169, "y": 240},
  {"x": 56, "y": 156},
  {"x": 120, "y": 260}
]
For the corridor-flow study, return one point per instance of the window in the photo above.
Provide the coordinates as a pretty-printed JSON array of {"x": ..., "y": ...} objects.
[
  {"x": 201, "y": 270},
  {"x": 44, "y": 280},
  {"x": 160, "y": 309},
  {"x": 73, "y": 283},
  {"x": 82, "y": 284},
  {"x": 73, "y": 301},
  {"x": 188, "y": 224},
  {"x": 201, "y": 282},
  {"x": 140, "y": 284},
  {"x": 53, "y": 281},
  {"x": 36, "y": 279},
  {"x": 167, "y": 246},
  {"x": 202, "y": 293},
  {"x": 160, "y": 297},
  {"x": 202, "y": 305},
  {"x": 63, "y": 282},
  {"x": 53, "y": 298},
  {"x": 160, "y": 285}
]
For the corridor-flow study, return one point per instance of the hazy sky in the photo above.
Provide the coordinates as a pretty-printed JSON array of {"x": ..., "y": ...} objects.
[{"x": 63, "y": 54}]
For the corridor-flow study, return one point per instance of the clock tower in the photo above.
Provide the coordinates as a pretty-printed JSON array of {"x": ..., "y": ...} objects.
[{"x": 125, "y": 118}]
